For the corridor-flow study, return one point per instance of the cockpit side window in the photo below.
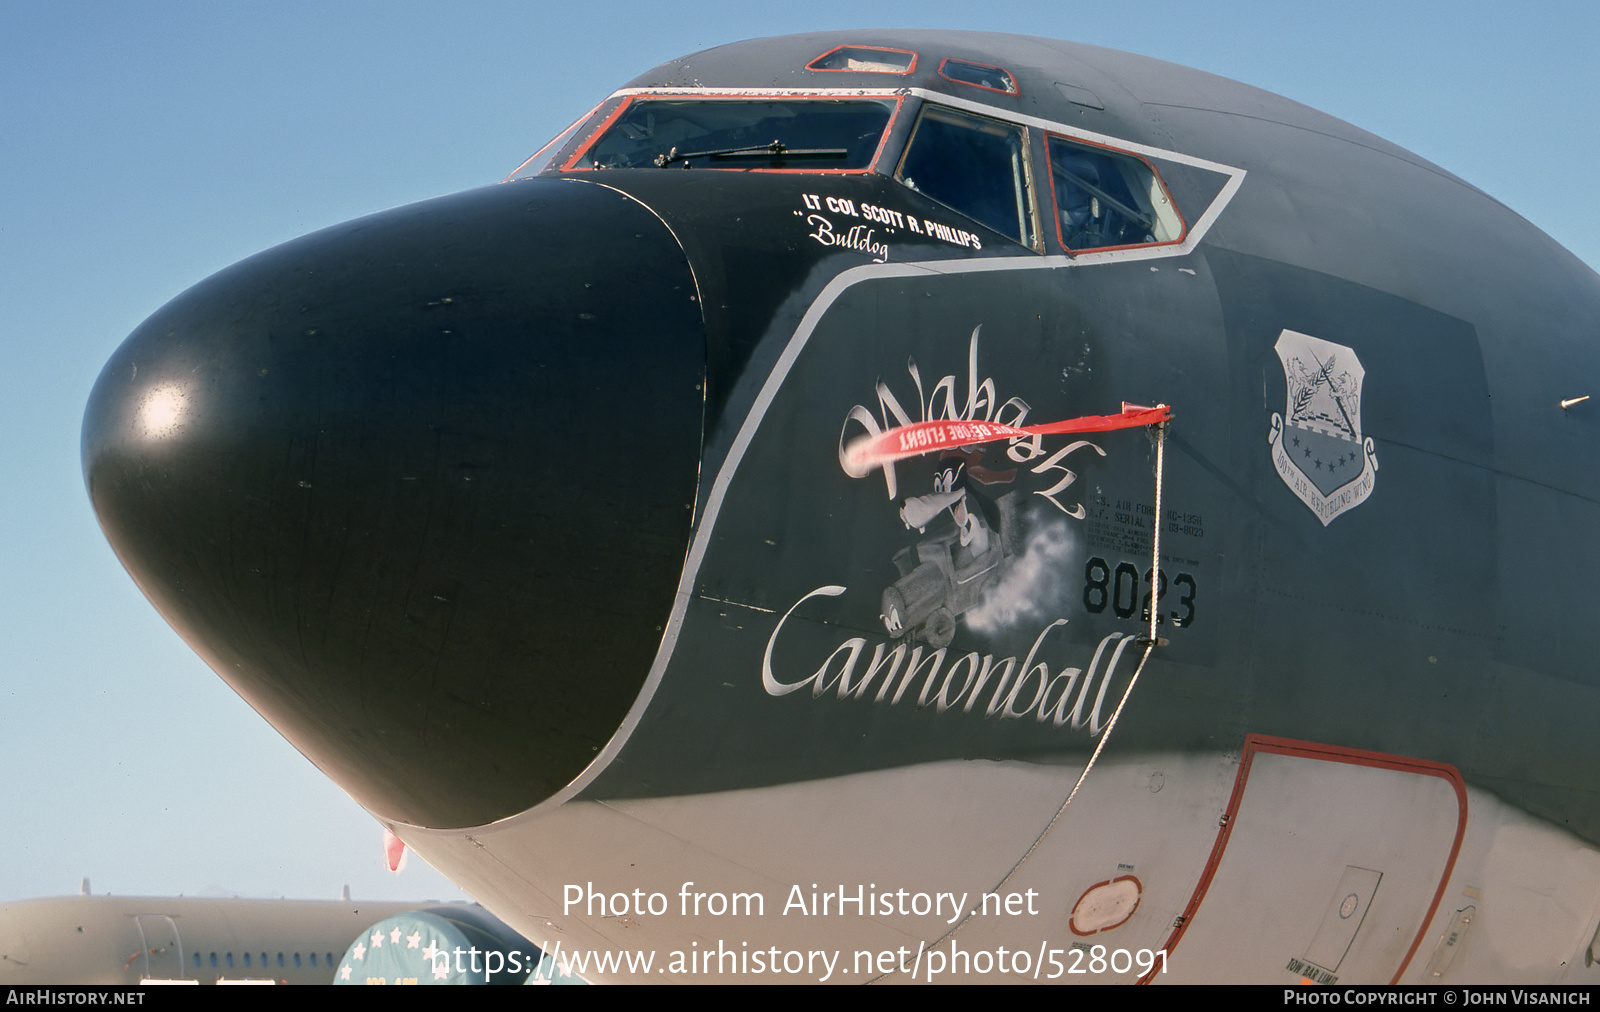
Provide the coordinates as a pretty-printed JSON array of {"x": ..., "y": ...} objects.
[
  {"x": 1106, "y": 199},
  {"x": 807, "y": 134},
  {"x": 975, "y": 165},
  {"x": 559, "y": 149}
]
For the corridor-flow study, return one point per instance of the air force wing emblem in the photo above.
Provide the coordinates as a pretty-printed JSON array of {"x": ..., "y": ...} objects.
[{"x": 1317, "y": 445}]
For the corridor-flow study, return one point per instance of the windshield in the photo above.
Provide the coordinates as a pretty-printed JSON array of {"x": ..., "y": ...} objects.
[{"x": 742, "y": 134}]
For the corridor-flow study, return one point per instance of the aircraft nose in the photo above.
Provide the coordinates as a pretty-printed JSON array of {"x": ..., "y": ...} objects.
[{"x": 419, "y": 486}]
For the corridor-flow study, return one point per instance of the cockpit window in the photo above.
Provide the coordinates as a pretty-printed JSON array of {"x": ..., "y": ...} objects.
[
  {"x": 806, "y": 134},
  {"x": 975, "y": 165},
  {"x": 546, "y": 157},
  {"x": 1106, "y": 199},
  {"x": 866, "y": 60},
  {"x": 979, "y": 75}
]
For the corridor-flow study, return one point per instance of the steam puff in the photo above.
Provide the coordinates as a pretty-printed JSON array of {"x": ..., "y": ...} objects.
[{"x": 1033, "y": 585}]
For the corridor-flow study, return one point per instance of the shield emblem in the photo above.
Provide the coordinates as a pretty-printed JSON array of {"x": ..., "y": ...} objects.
[{"x": 1317, "y": 445}]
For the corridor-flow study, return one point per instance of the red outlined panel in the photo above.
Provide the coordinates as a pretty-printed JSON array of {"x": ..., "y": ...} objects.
[
  {"x": 1055, "y": 197},
  {"x": 1256, "y": 745},
  {"x": 838, "y": 51},
  {"x": 1009, "y": 87},
  {"x": 1138, "y": 896}
]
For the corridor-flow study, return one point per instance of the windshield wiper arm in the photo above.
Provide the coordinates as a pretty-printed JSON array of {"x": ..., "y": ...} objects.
[{"x": 776, "y": 148}]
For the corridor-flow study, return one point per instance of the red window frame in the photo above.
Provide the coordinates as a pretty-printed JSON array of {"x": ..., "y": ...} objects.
[
  {"x": 974, "y": 63},
  {"x": 1055, "y": 207},
  {"x": 812, "y": 66},
  {"x": 663, "y": 96}
]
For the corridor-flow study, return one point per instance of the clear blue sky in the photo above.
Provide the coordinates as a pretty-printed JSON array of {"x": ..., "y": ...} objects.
[{"x": 144, "y": 146}]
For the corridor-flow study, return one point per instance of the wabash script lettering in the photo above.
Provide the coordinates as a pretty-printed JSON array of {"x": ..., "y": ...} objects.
[{"x": 982, "y": 404}]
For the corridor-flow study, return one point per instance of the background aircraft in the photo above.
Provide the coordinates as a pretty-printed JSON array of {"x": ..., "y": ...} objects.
[
  {"x": 87, "y": 939},
  {"x": 168, "y": 145}
]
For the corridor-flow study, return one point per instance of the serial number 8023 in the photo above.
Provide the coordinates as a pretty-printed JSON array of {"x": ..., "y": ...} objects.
[{"x": 1099, "y": 959}]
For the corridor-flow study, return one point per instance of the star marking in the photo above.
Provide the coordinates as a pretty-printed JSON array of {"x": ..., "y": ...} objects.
[
  {"x": 377, "y": 939},
  {"x": 394, "y": 936},
  {"x": 431, "y": 951},
  {"x": 440, "y": 969},
  {"x": 361, "y": 951},
  {"x": 412, "y": 939},
  {"x": 344, "y": 973}
]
